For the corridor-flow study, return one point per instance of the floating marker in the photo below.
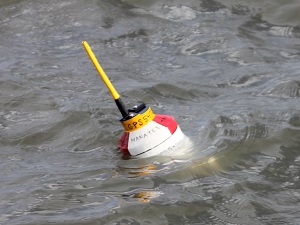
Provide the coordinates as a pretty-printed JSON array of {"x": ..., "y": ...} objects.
[{"x": 145, "y": 134}]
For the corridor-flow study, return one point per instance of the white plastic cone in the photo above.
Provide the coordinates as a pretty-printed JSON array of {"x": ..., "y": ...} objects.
[{"x": 148, "y": 134}]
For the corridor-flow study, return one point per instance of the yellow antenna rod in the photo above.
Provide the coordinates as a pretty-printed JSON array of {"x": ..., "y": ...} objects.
[
  {"x": 101, "y": 72},
  {"x": 105, "y": 79}
]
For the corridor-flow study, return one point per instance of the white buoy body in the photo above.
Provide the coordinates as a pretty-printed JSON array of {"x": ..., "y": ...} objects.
[{"x": 148, "y": 134}]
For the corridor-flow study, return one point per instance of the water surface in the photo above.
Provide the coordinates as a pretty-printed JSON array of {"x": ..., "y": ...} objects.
[{"x": 228, "y": 71}]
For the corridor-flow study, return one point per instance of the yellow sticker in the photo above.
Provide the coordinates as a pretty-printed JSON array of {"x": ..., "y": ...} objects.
[{"x": 138, "y": 121}]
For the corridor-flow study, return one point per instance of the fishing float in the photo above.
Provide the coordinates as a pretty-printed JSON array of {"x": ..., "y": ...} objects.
[{"x": 146, "y": 134}]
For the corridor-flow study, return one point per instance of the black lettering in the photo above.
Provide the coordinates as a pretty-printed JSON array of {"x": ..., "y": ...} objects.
[
  {"x": 130, "y": 127},
  {"x": 163, "y": 119},
  {"x": 140, "y": 122},
  {"x": 134, "y": 124},
  {"x": 145, "y": 119}
]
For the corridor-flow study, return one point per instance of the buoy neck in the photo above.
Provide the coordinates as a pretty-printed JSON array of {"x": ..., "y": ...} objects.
[
  {"x": 132, "y": 112},
  {"x": 137, "y": 117}
]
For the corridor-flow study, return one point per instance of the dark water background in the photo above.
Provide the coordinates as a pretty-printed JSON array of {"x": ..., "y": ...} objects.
[{"x": 228, "y": 71}]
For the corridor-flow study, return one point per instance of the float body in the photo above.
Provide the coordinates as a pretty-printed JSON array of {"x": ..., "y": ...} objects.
[{"x": 147, "y": 134}]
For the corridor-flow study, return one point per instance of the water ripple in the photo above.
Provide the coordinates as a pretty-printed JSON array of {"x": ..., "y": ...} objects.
[{"x": 227, "y": 71}]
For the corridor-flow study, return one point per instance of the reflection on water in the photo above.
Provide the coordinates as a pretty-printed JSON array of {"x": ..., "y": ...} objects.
[{"x": 227, "y": 71}]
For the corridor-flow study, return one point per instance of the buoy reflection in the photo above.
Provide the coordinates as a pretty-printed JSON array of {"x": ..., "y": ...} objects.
[{"x": 146, "y": 196}]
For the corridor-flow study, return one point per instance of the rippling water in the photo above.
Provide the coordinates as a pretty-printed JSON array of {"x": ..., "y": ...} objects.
[{"x": 228, "y": 71}]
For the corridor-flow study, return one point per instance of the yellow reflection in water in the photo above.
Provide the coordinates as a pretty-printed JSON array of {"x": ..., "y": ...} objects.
[
  {"x": 146, "y": 196},
  {"x": 143, "y": 170}
]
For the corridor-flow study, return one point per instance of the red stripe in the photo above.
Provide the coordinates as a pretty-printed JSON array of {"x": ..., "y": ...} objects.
[
  {"x": 123, "y": 143},
  {"x": 166, "y": 121}
]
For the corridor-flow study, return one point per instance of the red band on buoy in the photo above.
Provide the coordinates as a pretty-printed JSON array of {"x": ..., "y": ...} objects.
[
  {"x": 167, "y": 121},
  {"x": 123, "y": 143}
]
